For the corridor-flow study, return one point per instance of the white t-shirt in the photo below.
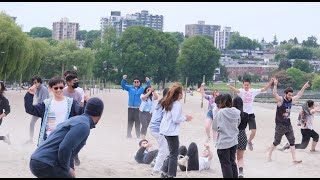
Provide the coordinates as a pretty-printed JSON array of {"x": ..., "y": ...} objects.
[
  {"x": 204, "y": 163},
  {"x": 80, "y": 90},
  {"x": 247, "y": 98},
  {"x": 57, "y": 114}
]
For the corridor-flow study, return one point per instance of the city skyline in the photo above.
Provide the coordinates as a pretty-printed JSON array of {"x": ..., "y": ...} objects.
[{"x": 255, "y": 20}]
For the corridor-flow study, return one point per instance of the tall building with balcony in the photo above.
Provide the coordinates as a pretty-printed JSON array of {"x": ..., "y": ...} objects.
[
  {"x": 64, "y": 30},
  {"x": 221, "y": 38},
  {"x": 120, "y": 23},
  {"x": 201, "y": 29}
]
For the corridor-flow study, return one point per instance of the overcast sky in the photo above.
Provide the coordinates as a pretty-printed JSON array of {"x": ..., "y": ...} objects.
[{"x": 252, "y": 19}]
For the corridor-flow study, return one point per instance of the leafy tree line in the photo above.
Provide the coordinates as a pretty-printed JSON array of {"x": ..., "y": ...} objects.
[{"x": 138, "y": 52}]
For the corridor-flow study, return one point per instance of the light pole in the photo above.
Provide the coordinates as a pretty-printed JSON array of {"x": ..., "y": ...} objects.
[{"x": 5, "y": 75}]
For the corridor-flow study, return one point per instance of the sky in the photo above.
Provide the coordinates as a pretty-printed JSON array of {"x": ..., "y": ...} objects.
[{"x": 255, "y": 20}]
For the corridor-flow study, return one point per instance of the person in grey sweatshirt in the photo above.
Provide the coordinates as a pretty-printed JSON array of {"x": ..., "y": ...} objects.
[
  {"x": 227, "y": 122},
  {"x": 170, "y": 127},
  {"x": 52, "y": 158},
  {"x": 42, "y": 93}
]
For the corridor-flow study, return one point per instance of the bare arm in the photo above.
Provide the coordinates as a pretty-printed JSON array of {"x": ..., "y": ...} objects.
[
  {"x": 144, "y": 97},
  {"x": 267, "y": 86},
  {"x": 210, "y": 152},
  {"x": 275, "y": 94},
  {"x": 155, "y": 95},
  {"x": 233, "y": 89},
  {"x": 300, "y": 93}
]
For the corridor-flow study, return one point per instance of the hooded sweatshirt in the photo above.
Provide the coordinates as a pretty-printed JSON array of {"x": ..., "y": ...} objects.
[
  {"x": 227, "y": 122},
  {"x": 170, "y": 123}
]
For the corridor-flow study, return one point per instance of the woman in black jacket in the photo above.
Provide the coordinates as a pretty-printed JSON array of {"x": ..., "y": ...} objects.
[{"x": 4, "y": 110}]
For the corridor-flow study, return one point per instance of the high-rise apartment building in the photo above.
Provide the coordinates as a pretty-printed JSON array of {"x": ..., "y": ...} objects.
[
  {"x": 64, "y": 30},
  {"x": 221, "y": 38},
  {"x": 201, "y": 29},
  {"x": 120, "y": 23}
]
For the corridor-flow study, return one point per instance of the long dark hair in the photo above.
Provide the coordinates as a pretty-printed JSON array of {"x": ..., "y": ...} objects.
[
  {"x": 226, "y": 101},
  {"x": 172, "y": 95},
  {"x": 238, "y": 103},
  {"x": 2, "y": 88},
  {"x": 145, "y": 92}
]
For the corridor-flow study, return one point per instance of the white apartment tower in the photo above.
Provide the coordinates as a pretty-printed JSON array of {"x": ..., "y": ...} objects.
[
  {"x": 221, "y": 38},
  {"x": 120, "y": 23},
  {"x": 64, "y": 30}
]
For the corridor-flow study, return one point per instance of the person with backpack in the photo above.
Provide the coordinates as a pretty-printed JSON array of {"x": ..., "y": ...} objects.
[{"x": 307, "y": 130}]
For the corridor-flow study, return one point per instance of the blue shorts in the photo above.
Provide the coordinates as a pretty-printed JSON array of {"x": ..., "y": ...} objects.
[{"x": 210, "y": 115}]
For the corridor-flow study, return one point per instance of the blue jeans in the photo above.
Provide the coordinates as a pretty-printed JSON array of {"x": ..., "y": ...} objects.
[{"x": 43, "y": 170}]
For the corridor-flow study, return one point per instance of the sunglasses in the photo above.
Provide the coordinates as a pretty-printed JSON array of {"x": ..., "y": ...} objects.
[
  {"x": 56, "y": 88},
  {"x": 136, "y": 81}
]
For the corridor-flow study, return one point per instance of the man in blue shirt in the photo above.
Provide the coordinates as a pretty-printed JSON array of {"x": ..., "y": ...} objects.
[
  {"x": 52, "y": 158},
  {"x": 134, "y": 102}
]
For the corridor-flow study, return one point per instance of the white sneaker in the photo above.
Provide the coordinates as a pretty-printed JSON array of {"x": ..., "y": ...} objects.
[
  {"x": 183, "y": 160},
  {"x": 7, "y": 139},
  {"x": 240, "y": 175}
]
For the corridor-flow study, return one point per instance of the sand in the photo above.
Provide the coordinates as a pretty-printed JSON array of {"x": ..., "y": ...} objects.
[{"x": 108, "y": 153}]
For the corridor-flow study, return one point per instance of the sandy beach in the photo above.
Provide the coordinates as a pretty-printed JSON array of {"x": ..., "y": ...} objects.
[{"x": 108, "y": 153}]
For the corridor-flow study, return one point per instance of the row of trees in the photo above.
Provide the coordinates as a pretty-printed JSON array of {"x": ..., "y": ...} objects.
[{"x": 140, "y": 51}]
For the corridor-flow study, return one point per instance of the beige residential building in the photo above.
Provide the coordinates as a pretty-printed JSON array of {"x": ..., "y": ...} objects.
[
  {"x": 64, "y": 30},
  {"x": 201, "y": 29}
]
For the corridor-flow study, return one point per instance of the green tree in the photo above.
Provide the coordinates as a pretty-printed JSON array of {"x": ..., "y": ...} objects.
[
  {"x": 91, "y": 36},
  {"x": 178, "y": 35},
  {"x": 303, "y": 65},
  {"x": 295, "y": 41},
  {"x": 310, "y": 42},
  {"x": 275, "y": 40},
  {"x": 316, "y": 83},
  {"x": 65, "y": 56},
  {"x": 14, "y": 48},
  {"x": 107, "y": 55},
  {"x": 81, "y": 35},
  {"x": 298, "y": 76},
  {"x": 40, "y": 32},
  {"x": 240, "y": 42},
  {"x": 300, "y": 53},
  {"x": 280, "y": 56},
  {"x": 39, "y": 49},
  {"x": 285, "y": 80},
  {"x": 223, "y": 72},
  {"x": 198, "y": 57},
  {"x": 147, "y": 52},
  {"x": 284, "y": 64}
]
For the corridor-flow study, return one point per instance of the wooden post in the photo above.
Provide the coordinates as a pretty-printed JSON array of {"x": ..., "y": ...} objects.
[
  {"x": 90, "y": 86},
  {"x": 185, "y": 91},
  {"x": 20, "y": 82},
  {"x": 203, "y": 81}
]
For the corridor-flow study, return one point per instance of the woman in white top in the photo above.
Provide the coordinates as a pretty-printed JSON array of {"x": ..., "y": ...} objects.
[
  {"x": 147, "y": 98},
  {"x": 170, "y": 127}
]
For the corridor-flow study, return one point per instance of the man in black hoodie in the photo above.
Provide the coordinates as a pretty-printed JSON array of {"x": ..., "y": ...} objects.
[{"x": 52, "y": 158}]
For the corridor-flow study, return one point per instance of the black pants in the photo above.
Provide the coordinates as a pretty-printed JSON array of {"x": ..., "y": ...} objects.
[
  {"x": 133, "y": 117},
  {"x": 145, "y": 118},
  {"x": 43, "y": 170},
  {"x": 306, "y": 135},
  {"x": 192, "y": 153},
  {"x": 228, "y": 163},
  {"x": 170, "y": 164},
  {"x": 2, "y": 137}
]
